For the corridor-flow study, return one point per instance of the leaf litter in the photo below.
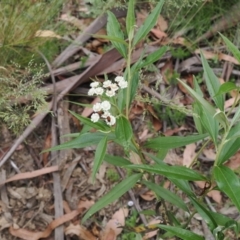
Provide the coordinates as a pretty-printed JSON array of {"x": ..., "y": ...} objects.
[{"x": 31, "y": 189}]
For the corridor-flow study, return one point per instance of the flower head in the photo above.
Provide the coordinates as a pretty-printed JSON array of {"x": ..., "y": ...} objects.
[
  {"x": 110, "y": 120},
  {"x": 95, "y": 117},
  {"x": 97, "y": 107},
  {"x": 119, "y": 78},
  {"x": 107, "y": 83},
  {"x": 94, "y": 84},
  {"x": 114, "y": 87},
  {"x": 105, "y": 105},
  {"x": 110, "y": 93},
  {"x": 122, "y": 84},
  {"x": 91, "y": 91},
  {"x": 99, "y": 91}
]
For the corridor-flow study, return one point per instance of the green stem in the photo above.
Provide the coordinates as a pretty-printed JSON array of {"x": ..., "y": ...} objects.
[{"x": 129, "y": 78}]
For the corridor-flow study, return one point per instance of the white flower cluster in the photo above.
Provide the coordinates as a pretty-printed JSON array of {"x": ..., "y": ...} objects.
[
  {"x": 101, "y": 109},
  {"x": 110, "y": 88}
]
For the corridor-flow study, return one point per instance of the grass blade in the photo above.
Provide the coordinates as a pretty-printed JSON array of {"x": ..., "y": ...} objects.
[{"x": 176, "y": 172}]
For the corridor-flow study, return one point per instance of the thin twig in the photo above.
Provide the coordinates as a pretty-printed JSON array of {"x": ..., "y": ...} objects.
[{"x": 131, "y": 194}]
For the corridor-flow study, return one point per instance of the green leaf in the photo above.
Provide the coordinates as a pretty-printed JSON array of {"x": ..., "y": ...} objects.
[
  {"x": 99, "y": 156},
  {"x": 205, "y": 105},
  {"x": 116, "y": 161},
  {"x": 166, "y": 195},
  {"x": 205, "y": 214},
  {"x": 181, "y": 233},
  {"x": 231, "y": 146},
  {"x": 234, "y": 50},
  {"x": 173, "y": 141},
  {"x": 210, "y": 124},
  {"x": 123, "y": 131},
  {"x": 183, "y": 185},
  {"x": 197, "y": 108},
  {"x": 130, "y": 19},
  {"x": 221, "y": 219},
  {"x": 228, "y": 182},
  {"x": 83, "y": 140},
  {"x": 235, "y": 117},
  {"x": 213, "y": 84},
  {"x": 153, "y": 57},
  {"x": 98, "y": 125},
  {"x": 114, "y": 30},
  {"x": 148, "y": 23},
  {"x": 176, "y": 172},
  {"x": 226, "y": 87},
  {"x": 113, "y": 195}
]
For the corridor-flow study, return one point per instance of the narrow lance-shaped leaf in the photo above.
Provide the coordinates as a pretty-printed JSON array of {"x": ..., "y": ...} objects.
[
  {"x": 178, "y": 172},
  {"x": 123, "y": 130},
  {"x": 130, "y": 19},
  {"x": 167, "y": 195},
  {"x": 234, "y": 50},
  {"x": 226, "y": 87},
  {"x": 173, "y": 141},
  {"x": 207, "y": 106},
  {"x": 205, "y": 214},
  {"x": 228, "y": 182},
  {"x": 113, "y": 195},
  {"x": 98, "y": 125},
  {"x": 114, "y": 30},
  {"x": 99, "y": 156},
  {"x": 181, "y": 233},
  {"x": 148, "y": 23},
  {"x": 213, "y": 84},
  {"x": 153, "y": 57}
]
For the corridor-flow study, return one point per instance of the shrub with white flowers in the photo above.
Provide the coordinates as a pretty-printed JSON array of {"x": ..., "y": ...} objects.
[{"x": 109, "y": 89}]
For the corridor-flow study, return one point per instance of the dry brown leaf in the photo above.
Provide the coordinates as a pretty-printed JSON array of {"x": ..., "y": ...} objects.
[
  {"x": 47, "y": 34},
  {"x": 234, "y": 162},
  {"x": 158, "y": 33},
  {"x": 148, "y": 196},
  {"x": 214, "y": 194},
  {"x": 219, "y": 56},
  {"x": 32, "y": 174},
  {"x": 113, "y": 227},
  {"x": 157, "y": 124},
  {"x": 79, "y": 231},
  {"x": 47, "y": 145},
  {"x": 189, "y": 154},
  {"x": 162, "y": 23},
  {"x": 170, "y": 132},
  {"x": 152, "y": 233},
  {"x": 80, "y": 24},
  {"x": 30, "y": 235},
  {"x": 135, "y": 158},
  {"x": 210, "y": 154}
]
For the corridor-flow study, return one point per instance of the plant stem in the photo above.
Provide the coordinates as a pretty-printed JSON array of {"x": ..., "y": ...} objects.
[{"x": 129, "y": 75}]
